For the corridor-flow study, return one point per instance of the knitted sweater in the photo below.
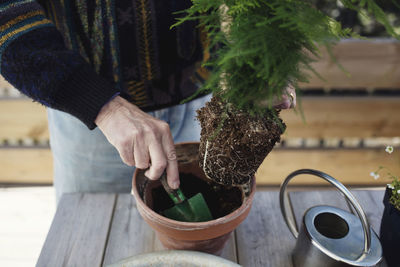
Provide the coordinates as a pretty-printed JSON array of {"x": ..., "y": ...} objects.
[{"x": 75, "y": 55}]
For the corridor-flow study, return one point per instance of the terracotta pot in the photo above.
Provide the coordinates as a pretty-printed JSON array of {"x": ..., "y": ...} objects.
[{"x": 208, "y": 236}]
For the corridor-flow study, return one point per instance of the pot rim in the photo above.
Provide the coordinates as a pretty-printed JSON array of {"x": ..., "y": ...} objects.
[{"x": 188, "y": 226}]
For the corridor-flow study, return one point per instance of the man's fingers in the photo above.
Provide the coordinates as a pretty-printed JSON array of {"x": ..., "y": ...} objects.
[
  {"x": 172, "y": 163},
  {"x": 291, "y": 93},
  {"x": 140, "y": 152},
  {"x": 126, "y": 155},
  {"x": 285, "y": 104},
  {"x": 158, "y": 161},
  {"x": 287, "y": 100},
  {"x": 173, "y": 174}
]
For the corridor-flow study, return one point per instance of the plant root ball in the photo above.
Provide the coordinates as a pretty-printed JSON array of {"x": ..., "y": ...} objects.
[{"x": 233, "y": 144}]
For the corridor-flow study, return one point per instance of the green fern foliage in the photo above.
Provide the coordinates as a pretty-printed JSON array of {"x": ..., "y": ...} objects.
[{"x": 259, "y": 47}]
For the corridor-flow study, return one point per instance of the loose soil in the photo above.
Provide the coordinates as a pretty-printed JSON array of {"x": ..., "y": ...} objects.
[
  {"x": 221, "y": 200},
  {"x": 233, "y": 144}
]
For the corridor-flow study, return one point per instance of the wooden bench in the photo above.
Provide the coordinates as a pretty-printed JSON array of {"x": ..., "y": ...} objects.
[
  {"x": 348, "y": 122},
  {"x": 84, "y": 235}
]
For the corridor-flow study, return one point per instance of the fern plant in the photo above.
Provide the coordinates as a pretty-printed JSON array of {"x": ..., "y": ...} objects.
[{"x": 259, "y": 47}]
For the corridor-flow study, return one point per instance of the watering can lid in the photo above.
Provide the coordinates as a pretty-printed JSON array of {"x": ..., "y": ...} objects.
[{"x": 347, "y": 248}]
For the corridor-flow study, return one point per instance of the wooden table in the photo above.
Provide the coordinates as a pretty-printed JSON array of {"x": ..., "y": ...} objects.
[{"x": 100, "y": 229}]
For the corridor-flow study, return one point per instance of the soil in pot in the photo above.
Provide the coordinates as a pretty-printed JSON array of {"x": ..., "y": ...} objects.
[
  {"x": 221, "y": 200},
  {"x": 233, "y": 144}
]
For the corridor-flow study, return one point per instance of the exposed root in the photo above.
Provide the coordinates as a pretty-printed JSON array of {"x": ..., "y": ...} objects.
[{"x": 204, "y": 161}]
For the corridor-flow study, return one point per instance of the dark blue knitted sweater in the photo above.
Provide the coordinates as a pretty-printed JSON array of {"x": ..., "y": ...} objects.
[{"x": 75, "y": 55}]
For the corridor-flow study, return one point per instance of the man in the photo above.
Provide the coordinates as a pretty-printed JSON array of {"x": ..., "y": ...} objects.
[{"x": 106, "y": 63}]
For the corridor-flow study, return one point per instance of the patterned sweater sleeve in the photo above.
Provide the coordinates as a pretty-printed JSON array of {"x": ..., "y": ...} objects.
[{"x": 34, "y": 59}]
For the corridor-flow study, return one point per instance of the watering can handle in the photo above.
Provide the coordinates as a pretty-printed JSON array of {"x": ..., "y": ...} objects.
[{"x": 284, "y": 203}]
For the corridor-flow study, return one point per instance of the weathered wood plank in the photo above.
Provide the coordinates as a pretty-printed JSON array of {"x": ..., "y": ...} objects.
[
  {"x": 350, "y": 166},
  {"x": 157, "y": 244},
  {"x": 28, "y": 165},
  {"x": 79, "y": 231},
  {"x": 371, "y": 64},
  {"x": 129, "y": 234},
  {"x": 229, "y": 251},
  {"x": 327, "y": 117},
  {"x": 263, "y": 238},
  {"x": 21, "y": 119}
]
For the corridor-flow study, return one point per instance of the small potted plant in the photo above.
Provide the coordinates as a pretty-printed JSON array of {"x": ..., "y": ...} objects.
[{"x": 390, "y": 224}]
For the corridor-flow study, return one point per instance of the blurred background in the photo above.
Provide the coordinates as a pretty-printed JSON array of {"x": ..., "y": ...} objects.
[{"x": 342, "y": 127}]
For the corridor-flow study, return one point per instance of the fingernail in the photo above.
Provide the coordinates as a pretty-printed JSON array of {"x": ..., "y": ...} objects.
[
  {"x": 146, "y": 174},
  {"x": 175, "y": 185}
]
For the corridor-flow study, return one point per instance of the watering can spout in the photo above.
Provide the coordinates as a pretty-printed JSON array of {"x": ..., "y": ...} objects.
[{"x": 330, "y": 236}]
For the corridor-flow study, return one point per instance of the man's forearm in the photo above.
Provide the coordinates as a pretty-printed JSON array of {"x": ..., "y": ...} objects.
[{"x": 34, "y": 59}]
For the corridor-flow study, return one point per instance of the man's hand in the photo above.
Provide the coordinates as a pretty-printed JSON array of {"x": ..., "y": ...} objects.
[
  {"x": 287, "y": 100},
  {"x": 141, "y": 140}
]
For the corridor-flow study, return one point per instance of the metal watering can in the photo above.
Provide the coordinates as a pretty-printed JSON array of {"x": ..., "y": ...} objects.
[{"x": 330, "y": 236}]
